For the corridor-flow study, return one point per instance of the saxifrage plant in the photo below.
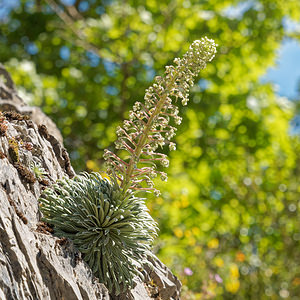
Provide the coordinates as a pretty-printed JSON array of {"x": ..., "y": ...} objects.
[{"x": 104, "y": 218}]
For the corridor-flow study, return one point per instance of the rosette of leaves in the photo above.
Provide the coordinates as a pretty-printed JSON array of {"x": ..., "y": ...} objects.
[
  {"x": 38, "y": 170},
  {"x": 113, "y": 232}
]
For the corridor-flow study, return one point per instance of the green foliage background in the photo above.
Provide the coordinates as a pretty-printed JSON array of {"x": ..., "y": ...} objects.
[{"x": 230, "y": 208}]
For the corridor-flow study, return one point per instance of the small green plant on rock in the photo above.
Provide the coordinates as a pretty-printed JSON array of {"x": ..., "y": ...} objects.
[
  {"x": 38, "y": 170},
  {"x": 106, "y": 219},
  {"x": 113, "y": 232}
]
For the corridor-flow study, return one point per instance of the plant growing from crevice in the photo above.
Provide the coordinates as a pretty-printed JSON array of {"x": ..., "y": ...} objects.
[
  {"x": 114, "y": 233},
  {"x": 38, "y": 170},
  {"x": 104, "y": 218}
]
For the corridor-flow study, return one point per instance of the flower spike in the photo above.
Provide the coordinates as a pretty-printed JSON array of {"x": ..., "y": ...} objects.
[{"x": 148, "y": 126}]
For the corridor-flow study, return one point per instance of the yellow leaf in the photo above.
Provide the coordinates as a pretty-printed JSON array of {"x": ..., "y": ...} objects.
[
  {"x": 234, "y": 271},
  {"x": 213, "y": 244},
  {"x": 233, "y": 286},
  {"x": 178, "y": 232},
  {"x": 219, "y": 262}
]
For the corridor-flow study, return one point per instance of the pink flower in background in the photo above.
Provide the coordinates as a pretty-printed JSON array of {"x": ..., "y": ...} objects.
[
  {"x": 188, "y": 272},
  {"x": 218, "y": 278}
]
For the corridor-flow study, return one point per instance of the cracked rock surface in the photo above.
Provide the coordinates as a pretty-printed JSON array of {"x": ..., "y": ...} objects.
[{"x": 34, "y": 264}]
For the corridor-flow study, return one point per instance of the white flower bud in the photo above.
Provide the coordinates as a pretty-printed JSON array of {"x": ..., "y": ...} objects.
[
  {"x": 165, "y": 162},
  {"x": 163, "y": 176},
  {"x": 156, "y": 193},
  {"x": 177, "y": 120},
  {"x": 172, "y": 146}
]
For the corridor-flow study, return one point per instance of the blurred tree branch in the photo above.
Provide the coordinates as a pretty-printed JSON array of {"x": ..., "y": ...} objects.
[{"x": 69, "y": 21}]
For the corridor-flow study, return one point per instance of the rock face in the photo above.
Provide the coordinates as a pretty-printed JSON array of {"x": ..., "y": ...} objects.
[{"x": 34, "y": 264}]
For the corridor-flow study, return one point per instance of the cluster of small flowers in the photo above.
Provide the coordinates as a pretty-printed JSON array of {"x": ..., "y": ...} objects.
[
  {"x": 148, "y": 126},
  {"x": 199, "y": 53}
]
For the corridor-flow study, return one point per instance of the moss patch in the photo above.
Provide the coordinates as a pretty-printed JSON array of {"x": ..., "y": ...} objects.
[
  {"x": 44, "y": 131},
  {"x": 12, "y": 115},
  {"x": 44, "y": 182},
  {"x": 3, "y": 124},
  {"x": 2, "y": 155},
  {"x": 13, "y": 150},
  {"x": 44, "y": 227},
  {"x": 25, "y": 173}
]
